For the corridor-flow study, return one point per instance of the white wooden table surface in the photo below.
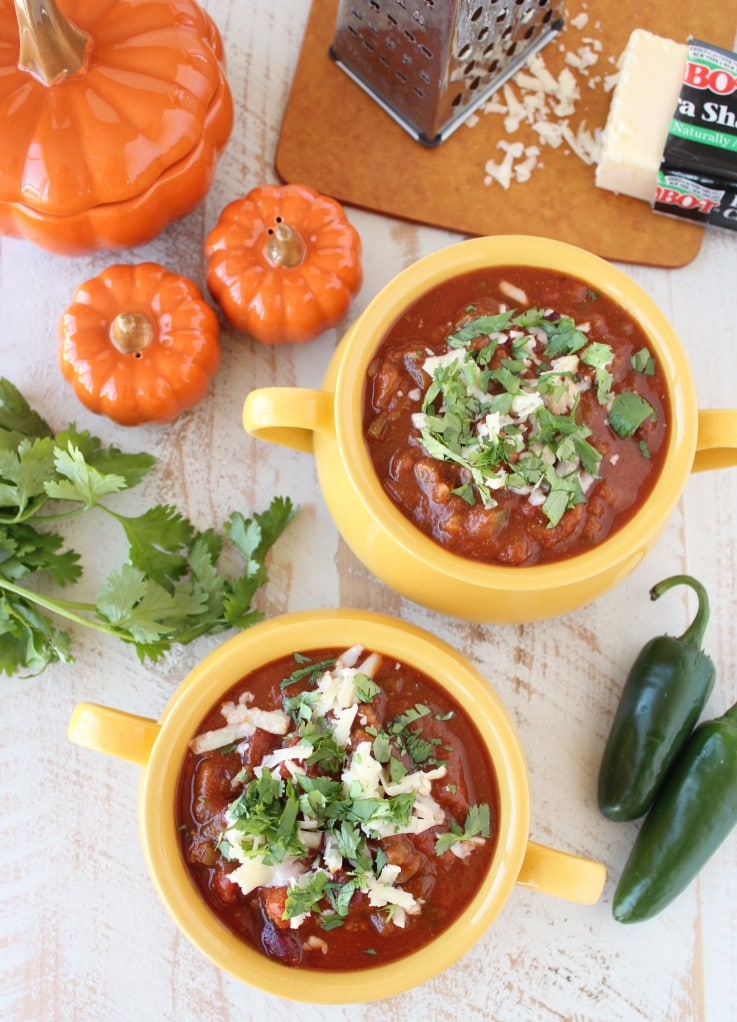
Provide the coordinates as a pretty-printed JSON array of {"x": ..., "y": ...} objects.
[{"x": 83, "y": 938}]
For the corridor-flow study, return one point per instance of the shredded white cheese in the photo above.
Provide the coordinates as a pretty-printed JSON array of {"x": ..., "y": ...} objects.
[{"x": 544, "y": 104}]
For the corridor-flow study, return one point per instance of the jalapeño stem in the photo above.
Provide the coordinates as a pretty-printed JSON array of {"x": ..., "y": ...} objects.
[{"x": 694, "y": 634}]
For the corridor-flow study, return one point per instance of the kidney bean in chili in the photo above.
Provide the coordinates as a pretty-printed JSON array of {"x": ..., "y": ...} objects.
[{"x": 664, "y": 694}]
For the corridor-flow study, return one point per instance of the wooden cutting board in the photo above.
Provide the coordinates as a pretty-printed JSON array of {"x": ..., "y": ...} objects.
[{"x": 338, "y": 140}]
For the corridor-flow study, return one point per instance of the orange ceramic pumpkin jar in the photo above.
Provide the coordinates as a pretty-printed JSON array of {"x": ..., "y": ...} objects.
[{"x": 112, "y": 117}]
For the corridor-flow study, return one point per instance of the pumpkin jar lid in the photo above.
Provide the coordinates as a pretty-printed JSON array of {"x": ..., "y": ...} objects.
[{"x": 103, "y": 105}]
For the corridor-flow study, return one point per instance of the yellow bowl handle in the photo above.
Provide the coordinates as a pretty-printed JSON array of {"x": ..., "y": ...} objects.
[
  {"x": 716, "y": 441},
  {"x": 113, "y": 732},
  {"x": 565, "y": 876},
  {"x": 289, "y": 416}
]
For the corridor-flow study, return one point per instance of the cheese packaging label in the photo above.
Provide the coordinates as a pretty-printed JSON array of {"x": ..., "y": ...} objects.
[{"x": 697, "y": 179}]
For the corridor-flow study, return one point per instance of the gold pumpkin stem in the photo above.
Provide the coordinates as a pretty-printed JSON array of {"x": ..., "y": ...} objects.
[
  {"x": 51, "y": 47},
  {"x": 285, "y": 246},
  {"x": 131, "y": 332}
]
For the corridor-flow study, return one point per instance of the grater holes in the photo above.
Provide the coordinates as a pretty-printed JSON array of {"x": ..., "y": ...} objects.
[{"x": 427, "y": 72}]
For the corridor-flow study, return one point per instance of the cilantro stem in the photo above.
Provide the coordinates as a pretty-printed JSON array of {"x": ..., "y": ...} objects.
[
  {"x": 63, "y": 608},
  {"x": 59, "y": 517}
]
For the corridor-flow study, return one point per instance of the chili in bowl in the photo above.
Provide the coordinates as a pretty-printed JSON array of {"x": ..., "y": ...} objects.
[
  {"x": 334, "y": 806},
  {"x": 504, "y": 431}
]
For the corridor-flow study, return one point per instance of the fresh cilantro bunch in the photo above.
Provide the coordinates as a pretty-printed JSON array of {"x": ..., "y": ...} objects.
[{"x": 169, "y": 591}]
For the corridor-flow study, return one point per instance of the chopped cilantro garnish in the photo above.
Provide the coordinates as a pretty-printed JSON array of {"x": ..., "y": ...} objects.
[
  {"x": 643, "y": 362},
  {"x": 628, "y": 412},
  {"x": 480, "y": 327},
  {"x": 507, "y": 412},
  {"x": 564, "y": 338},
  {"x": 478, "y": 824},
  {"x": 366, "y": 688},
  {"x": 415, "y": 712},
  {"x": 598, "y": 355},
  {"x": 330, "y": 922},
  {"x": 330, "y": 805},
  {"x": 382, "y": 747},
  {"x": 311, "y": 672},
  {"x": 303, "y": 897}
]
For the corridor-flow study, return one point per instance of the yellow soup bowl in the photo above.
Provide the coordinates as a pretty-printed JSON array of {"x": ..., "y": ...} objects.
[
  {"x": 328, "y": 423},
  {"x": 160, "y": 746}
]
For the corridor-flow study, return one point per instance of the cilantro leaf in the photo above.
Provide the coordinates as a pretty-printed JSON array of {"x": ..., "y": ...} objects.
[
  {"x": 24, "y": 471},
  {"x": 80, "y": 481},
  {"x": 158, "y": 542},
  {"x": 16, "y": 415},
  {"x": 479, "y": 327},
  {"x": 107, "y": 460},
  {"x": 628, "y": 412},
  {"x": 564, "y": 338},
  {"x": 643, "y": 362},
  {"x": 478, "y": 824},
  {"x": 24, "y": 550},
  {"x": 29, "y": 640}
]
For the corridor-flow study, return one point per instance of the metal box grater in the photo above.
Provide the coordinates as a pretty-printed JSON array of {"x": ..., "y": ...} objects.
[{"x": 430, "y": 63}]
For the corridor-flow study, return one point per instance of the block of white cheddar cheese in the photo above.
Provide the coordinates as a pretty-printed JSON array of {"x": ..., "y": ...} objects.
[{"x": 643, "y": 103}]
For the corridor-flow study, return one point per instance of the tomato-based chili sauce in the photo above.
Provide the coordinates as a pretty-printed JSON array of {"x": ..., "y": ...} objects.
[
  {"x": 386, "y": 817},
  {"x": 538, "y": 431}
]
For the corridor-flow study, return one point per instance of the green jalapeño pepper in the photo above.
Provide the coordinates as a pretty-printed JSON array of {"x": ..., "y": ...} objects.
[
  {"x": 693, "y": 813},
  {"x": 663, "y": 696}
]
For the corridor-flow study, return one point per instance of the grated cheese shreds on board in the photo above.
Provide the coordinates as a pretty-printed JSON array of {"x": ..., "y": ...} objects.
[{"x": 538, "y": 101}]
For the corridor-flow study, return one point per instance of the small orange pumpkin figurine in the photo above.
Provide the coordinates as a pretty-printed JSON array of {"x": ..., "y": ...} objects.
[
  {"x": 283, "y": 263},
  {"x": 139, "y": 344},
  {"x": 112, "y": 117}
]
